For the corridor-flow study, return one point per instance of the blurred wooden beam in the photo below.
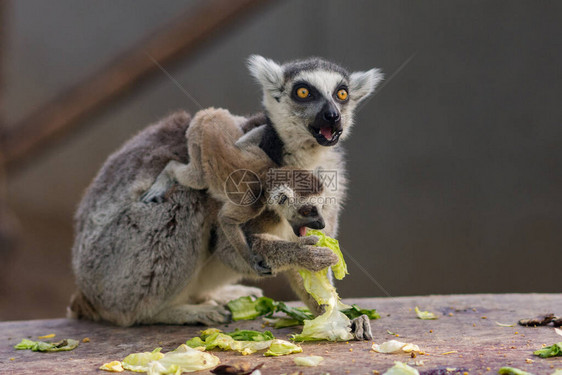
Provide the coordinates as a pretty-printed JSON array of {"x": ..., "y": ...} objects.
[{"x": 25, "y": 140}]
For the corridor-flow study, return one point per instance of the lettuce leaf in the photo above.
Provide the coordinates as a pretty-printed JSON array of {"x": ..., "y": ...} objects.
[
  {"x": 183, "y": 359},
  {"x": 41, "y": 346},
  {"x": 248, "y": 335},
  {"x": 247, "y": 308},
  {"x": 355, "y": 311},
  {"x": 114, "y": 366},
  {"x": 282, "y": 347},
  {"x": 138, "y": 362},
  {"x": 400, "y": 368},
  {"x": 512, "y": 371},
  {"x": 340, "y": 268},
  {"x": 425, "y": 315},
  {"x": 550, "y": 351},
  {"x": 311, "y": 361}
]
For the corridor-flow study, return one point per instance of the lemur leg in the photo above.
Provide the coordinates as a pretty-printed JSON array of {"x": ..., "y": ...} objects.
[
  {"x": 207, "y": 314},
  {"x": 187, "y": 175},
  {"x": 296, "y": 283},
  {"x": 230, "y": 218}
]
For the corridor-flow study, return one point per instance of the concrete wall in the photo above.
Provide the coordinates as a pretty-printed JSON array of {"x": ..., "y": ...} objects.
[{"x": 455, "y": 164}]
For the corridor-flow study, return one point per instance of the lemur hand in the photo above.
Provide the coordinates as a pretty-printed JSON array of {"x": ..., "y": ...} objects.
[
  {"x": 312, "y": 257},
  {"x": 261, "y": 267},
  {"x": 158, "y": 190}
]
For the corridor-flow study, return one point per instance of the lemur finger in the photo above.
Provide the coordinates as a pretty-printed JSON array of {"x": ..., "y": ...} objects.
[{"x": 308, "y": 240}]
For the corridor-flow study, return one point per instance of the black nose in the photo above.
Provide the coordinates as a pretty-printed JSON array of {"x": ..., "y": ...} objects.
[
  {"x": 332, "y": 116},
  {"x": 317, "y": 224}
]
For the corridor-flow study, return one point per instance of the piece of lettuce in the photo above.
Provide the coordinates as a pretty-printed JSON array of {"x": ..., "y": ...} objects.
[
  {"x": 355, "y": 311},
  {"x": 114, "y": 366},
  {"x": 332, "y": 325},
  {"x": 340, "y": 268},
  {"x": 283, "y": 322},
  {"x": 425, "y": 315},
  {"x": 41, "y": 346},
  {"x": 310, "y": 361},
  {"x": 225, "y": 342},
  {"x": 138, "y": 362},
  {"x": 282, "y": 347},
  {"x": 400, "y": 368},
  {"x": 247, "y": 308},
  {"x": 183, "y": 359},
  {"x": 512, "y": 371},
  {"x": 253, "y": 342},
  {"x": 550, "y": 351},
  {"x": 249, "y": 335}
]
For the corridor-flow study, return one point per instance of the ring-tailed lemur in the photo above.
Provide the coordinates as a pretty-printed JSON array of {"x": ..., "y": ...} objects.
[
  {"x": 214, "y": 158},
  {"x": 139, "y": 263}
]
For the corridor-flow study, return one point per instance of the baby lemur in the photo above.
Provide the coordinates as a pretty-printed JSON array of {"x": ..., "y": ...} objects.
[{"x": 215, "y": 158}]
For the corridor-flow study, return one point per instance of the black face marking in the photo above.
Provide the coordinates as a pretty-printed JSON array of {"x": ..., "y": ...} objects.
[
  {"x": 272, "y": 144},
  {"x": 341, "y": 86},
  {"x": 313, "y": 94},
  {"x": 308, "y": 211},
  {"x": 293, "y": 68},
  {"x": 283, "y": 199}
]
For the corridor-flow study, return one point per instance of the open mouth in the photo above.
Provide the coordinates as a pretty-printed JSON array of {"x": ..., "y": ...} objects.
[
  {"x": 325, "y": 135},
  {"x": 300, "y": 231}
]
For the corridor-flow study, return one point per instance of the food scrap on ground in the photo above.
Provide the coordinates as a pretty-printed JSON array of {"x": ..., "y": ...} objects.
[
  {"x": 512, "y": 371},
  {"x": 252, "y": 342},
  {"x": 425, "y": 315},
  {"x": 182, "y": 359},
  {"x": 400, "y": 368},
  {"x": 505, "y": 325},
  {"x": 41, "y": 346},
  {"x": 114, "y": 366},
  {"x": 310, "y": 361},
  {"x": 49, "y": 336},
  {"x": 394, "y": 346},
  {"x": 542, "y": 320},
  {"x": 550, "y": 351}
]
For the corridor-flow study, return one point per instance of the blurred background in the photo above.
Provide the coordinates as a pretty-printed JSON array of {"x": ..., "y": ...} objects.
[{"x": 455, "y": 164}]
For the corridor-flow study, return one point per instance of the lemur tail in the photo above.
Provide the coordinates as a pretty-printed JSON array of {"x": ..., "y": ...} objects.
[{"x": 81, "y": 308}]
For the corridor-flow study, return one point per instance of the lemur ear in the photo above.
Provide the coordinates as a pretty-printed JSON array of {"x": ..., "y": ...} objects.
[
  {"x": 362, "y": 84},
  {"x": 268, "y": 73}
]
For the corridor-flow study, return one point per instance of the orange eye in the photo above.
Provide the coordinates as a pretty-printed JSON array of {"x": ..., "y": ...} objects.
[
  {"x": 342, "y": 94},
  {"x": 303, "y": 93}
]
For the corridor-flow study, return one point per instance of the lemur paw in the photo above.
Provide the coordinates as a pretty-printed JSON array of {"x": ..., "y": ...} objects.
[
  {"x": 260, "y": 266},
  {"x": 214, "y": 315},
  {"x": 156, "y": 193},
  {"x": 361, "y": 328},
  {"x": 316, "y": 258}
]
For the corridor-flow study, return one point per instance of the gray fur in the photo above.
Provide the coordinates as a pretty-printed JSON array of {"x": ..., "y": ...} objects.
[
  {"x": 167, "y": 262},
  {"x": 213, "y": 158}
]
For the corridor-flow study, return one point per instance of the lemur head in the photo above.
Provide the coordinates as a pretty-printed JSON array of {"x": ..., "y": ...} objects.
[
  {"x": 311, "y": 100},
  {"x": 300, "y": 203}
]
